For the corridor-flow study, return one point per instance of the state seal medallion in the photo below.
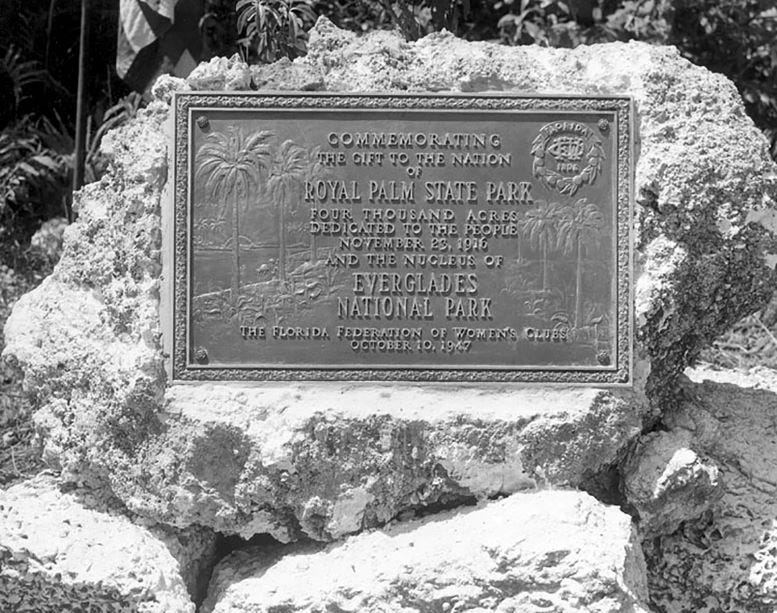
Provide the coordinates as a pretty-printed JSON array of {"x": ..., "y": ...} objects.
[{"x": 567, "y": 155}]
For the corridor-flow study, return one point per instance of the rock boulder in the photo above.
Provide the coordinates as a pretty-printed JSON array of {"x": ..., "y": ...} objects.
[
  {"x": 325, "y": 460},
  {"x": 528, "y": 553},
  {"x": 58, "y": 553},
  {"x": 722, "y": 556}
]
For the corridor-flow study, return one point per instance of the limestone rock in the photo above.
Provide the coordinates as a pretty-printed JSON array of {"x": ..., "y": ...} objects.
[
  {"x": 724, "y": 559},
  {"x": 325, "y": 460},
  {"x": 287, "y": 75},
  {"x": 196, "y": 550},
  {"x": 58, "y": 555},
  {"x": 668, "y": 482},
  {"x": 166, "y": 85},
  {"x": 47, "y": 240},
  {"x": 528, "y": 553},
  {"x": 326, "y": 463},
  {"x": 220, "y": 73}
]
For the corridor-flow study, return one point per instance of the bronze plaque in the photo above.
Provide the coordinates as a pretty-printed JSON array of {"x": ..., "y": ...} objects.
[{"x": 416, "y": 237}]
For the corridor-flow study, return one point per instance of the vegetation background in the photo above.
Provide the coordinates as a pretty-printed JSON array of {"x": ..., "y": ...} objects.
[{"x": 39, "y": 42}]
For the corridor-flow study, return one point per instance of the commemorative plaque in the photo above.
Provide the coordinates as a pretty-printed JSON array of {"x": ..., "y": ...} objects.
[{"x": 416, "y": 237}]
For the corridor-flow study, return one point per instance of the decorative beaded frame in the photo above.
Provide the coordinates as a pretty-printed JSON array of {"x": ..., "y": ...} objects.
[{"x": 186, "y": 104}]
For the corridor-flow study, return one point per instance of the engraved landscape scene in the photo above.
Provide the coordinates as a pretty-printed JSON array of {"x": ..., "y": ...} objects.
[{"x": 421, "y": 240}]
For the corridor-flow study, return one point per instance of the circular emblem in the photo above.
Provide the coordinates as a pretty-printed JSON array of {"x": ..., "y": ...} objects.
[{"x": 567, "y": 154}]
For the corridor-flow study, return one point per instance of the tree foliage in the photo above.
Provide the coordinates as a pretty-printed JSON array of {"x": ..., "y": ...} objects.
[
  {"x": 739, "y": 39},
  {"x": 31, "y": 176},
  {"x": 38, "y": 78},
  {"x": 272, "y": 29}
]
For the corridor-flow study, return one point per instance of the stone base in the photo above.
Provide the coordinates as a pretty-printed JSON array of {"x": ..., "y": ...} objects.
[
  {"x": 529, "y": 553},
  {"x": 58, "y": 555},
  {"x": 323, "y": 461}
]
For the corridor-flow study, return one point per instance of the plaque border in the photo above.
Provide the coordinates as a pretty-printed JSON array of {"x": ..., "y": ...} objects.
[{"x": 619, "y": 374}]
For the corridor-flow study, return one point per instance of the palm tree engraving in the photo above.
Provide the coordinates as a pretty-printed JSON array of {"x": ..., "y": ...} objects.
[
  {"x": 539, "y": 227},
  {"x": 230, "y": 164},
  {"x": 288, "y": 169},
  {"x": 579, "y": 224},
  {"x": 313, "y": 170}
]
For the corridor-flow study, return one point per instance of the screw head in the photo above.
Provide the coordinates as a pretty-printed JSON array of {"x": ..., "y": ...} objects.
[{"x": 201, "y": 355}]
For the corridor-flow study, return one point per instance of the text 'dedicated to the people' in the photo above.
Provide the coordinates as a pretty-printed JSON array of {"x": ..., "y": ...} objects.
[{"x": 402, "y": 237}]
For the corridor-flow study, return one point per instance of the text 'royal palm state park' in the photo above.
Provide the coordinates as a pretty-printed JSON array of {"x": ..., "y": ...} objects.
[
  {"x": 336, "y": 242},
  {"x": 381, "y": 228}
]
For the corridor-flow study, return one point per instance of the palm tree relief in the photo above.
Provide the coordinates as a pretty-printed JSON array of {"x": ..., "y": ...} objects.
[
  {"x": 579, "y": 224},
  {"x": 539, "y": 227},
  {"x": 289, "y": 167},
  {"x": 571, "y": 228},
  {"x": 230, "y": 164}
]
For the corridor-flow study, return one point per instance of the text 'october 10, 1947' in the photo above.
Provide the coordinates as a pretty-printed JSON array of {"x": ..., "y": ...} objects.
[{"x": 416, "y": 237}]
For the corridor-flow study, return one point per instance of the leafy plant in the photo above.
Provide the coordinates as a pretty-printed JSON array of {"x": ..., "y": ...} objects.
[
  {"x": 119, "y": 114},
  {"x": 544, "y": 22},
  {"x": 356, "y": 15},
  {"x": 646, "y": 20},
  {"x": 739, "y": 39},
  {"x": 272, "y": 29},
  {"x": 217, "y": 25},
  {"x": 36, "y": 149},
  {"x": 23, "y": 73},
  {"x": 36, "y": 161},
  {"x": 31, "y": 175},
  {"x": 416, "y": 18}
]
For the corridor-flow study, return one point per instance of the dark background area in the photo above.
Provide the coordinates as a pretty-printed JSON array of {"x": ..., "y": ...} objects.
[{"x": 47, "y": 33}]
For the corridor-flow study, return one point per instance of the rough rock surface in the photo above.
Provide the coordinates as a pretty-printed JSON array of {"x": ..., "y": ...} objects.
[
  {"x": 668, "y": 482},
  {"x": 529, "y": 553},
  {"x": 338, "y": 460},
  {"x": 58, "y": 555},
  {"x": 722, "y": 559},
  {"x": 328, "y": 460}
]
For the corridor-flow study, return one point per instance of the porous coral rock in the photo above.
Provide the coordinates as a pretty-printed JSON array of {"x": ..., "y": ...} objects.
[
  {"x": 668, "y": 482},
  {"x": 724, "y": 559},
  {"x": 47, "y": 240},
  {"x": 284, "y": 74},
  {"x": 529, "y": 553},
  {"x": 220, "y": 73},
  {"x": 338, "y": 461},
  {"x": 56, "y": 554},
  {"x": 324, "y": 460}
]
